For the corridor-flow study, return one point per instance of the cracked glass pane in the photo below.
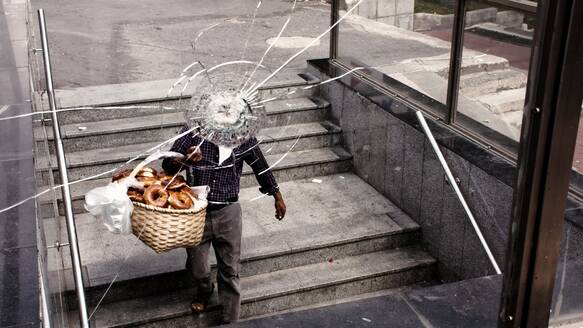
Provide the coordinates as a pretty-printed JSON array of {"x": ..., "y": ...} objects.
[{"x": 212, "y": 94}]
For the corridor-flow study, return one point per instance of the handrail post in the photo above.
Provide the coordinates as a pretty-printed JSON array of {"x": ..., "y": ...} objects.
[
  {"x": 70, "y": 220},
  {"x": 455, "y": 60},
  {"x": 334, "y": 33}
]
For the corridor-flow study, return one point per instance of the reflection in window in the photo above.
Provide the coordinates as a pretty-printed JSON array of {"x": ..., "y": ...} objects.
[
  {"x": 496, "y": 54},
  {"x": 407, "y": 40}
]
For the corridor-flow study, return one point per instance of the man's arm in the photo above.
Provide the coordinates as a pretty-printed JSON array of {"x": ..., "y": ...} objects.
[
  {"x": 182, "y": 145},
  {"x": 265, "y": 177}
]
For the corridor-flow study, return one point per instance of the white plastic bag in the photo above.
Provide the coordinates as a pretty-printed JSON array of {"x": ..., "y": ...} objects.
[
  {"x": 201, "y": 192},
  {"x": 112, "y": 206}
]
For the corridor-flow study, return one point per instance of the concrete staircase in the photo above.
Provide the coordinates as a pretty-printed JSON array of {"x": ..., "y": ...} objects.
[{"x": 341, "y": 238}]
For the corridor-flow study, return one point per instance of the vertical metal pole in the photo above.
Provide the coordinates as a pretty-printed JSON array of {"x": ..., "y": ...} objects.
[
  {"x": 71, "y": 229},
  {"x": 455, "y": 60},
  {"x": 334, "y": 33},
  {"x": 44, "y": 299}
]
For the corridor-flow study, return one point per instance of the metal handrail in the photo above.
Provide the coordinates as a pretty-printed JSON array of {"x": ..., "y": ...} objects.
[
  {"x": 457, "y": 190},
  {"x": 69, "y": 218}
]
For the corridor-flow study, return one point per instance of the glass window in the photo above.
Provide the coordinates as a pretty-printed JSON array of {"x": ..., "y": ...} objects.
[
  {"x": 496, "y": 53},
  {"x": 407, "y": 41}
]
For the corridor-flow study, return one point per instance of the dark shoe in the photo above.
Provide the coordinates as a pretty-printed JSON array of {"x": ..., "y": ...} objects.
[{"x": 202, "y": 296}]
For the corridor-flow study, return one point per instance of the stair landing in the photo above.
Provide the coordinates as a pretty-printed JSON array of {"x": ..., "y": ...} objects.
[{"x": 339, "y": 210}]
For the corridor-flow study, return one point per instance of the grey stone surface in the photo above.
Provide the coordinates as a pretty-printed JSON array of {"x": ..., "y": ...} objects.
[
  {"x": 491, "y": 203},
  {"x": 504, "y": 100},
  {"x": 412, "y": 172},
  {"x": 477, "y": 84},
  {"x": 355, "y": 121},
  {"x": 431, "y": 200},
  {"x": 107, "y": 112},
  {"x": 159, "y": 128},
  {"x": 395, "y": 159},
  {"x": 284, "y": 289},
  {"x": 367, "y": 9},
  {"x": 414, "y": 181},
  {"x": 376, "y": 165},
  {"x": 301, "y": 116},
  {"x": 386, "y": 8},
  {"x": 510, "y": 18},
  {"x": 453, "y": 220},
  {"x": 378, "y": 157},
  {"x": 335, "y": 95},
  {"x": 343, "y": 210},
  {"x": 90, "y": 163},
  {"x": 428, "y": 22},
  {"x": 356, "y": 111},
  {"x": 131, "y": 108},
  {"x": 142, "y": 41},
  {"x": 481, "y": 15},
  {"x": 362, "y": 152}
]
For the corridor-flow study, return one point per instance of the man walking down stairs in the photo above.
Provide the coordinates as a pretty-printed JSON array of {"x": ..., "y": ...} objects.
[
  {"x": 223, "y": 217},
  {"x": 341, "y": 239}
]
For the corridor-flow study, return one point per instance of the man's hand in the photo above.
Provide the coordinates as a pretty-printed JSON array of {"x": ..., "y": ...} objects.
[
  {"x": 193, "y": 155},
  {"x": 279, "y": 206}
]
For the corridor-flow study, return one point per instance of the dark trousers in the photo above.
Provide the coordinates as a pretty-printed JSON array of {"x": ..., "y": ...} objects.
[{"x": 223, "y": 228}]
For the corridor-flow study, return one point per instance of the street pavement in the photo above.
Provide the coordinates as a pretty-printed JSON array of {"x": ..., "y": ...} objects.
[
  {"x": 99, "y": 42},
  {"x": 104, "y": 42}
]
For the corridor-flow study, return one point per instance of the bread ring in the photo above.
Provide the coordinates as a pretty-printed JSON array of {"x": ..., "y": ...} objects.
[
  {"x": 155, "y": 195},
  {"x": 180, "y": 200},
  {"x": 188, "y": 190},
  {"x": 173, "y": 184},
  {"x": 135, "y": 195},
  {"x": 148, "y": 169},
  {"x": 121, "y": 175},
  {"x": 149, "y": 181},
  {"x": 137, "y": 198},
  {"x": 176, "y": 185},
  {"x": 167, "y": 178},
  {"x": 146, "y": 174}
]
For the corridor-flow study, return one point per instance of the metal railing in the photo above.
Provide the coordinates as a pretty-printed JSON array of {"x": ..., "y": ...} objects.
[
  {"x": 60, "y": 153},
  {"x": 458, "y": 192}
]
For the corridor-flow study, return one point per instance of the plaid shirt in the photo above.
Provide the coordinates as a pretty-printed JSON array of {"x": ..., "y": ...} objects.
[{"x": 224, "y": 179}]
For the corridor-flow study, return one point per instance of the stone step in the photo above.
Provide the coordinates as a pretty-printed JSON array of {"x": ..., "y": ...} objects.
[
  {"x": 83, "y": 164},
  {"x": 280, "y": 290},
  {"x": 155, "y": 94},
  {"x": 350, "y": 217},
  {"x": 296, "y": 165},
  {"x": 478, "y": 84},
  {"x": 504, "y": 101},
  {"x": 435, "y": 86},
  {"x": 159, "y": 127}
]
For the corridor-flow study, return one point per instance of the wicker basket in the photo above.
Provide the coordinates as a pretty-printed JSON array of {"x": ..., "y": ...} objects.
[{"x": 164, "y": 229}]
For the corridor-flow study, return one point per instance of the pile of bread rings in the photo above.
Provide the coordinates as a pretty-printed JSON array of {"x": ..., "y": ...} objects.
[{"x": 159, "y": 189}]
